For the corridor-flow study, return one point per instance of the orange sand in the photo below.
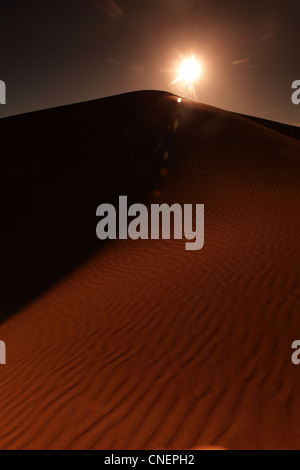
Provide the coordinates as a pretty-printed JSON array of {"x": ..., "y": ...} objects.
[{"x": 144, "y": 345}]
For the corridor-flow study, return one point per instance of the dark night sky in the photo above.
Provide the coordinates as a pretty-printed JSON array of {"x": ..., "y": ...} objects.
[{"x": 64, "y": 51}]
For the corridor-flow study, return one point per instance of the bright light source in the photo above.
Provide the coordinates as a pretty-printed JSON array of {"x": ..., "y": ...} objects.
[{"x": 189, "y": 71}]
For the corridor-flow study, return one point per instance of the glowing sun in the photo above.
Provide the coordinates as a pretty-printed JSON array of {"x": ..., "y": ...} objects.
[{"x": 189, "y": 71}]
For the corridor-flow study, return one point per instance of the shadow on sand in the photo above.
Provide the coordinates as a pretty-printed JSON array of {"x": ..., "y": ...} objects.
[{"x": 57, "y": 166}]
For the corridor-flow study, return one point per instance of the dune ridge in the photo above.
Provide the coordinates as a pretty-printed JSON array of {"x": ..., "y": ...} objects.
[{"x": 146, "y": 346}]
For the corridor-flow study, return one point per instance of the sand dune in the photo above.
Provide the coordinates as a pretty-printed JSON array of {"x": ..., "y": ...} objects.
[{"x": 141, "y": 344}]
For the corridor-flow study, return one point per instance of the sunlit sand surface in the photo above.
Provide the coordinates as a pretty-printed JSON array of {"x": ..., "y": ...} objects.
[{"x": 147, "y": 346}]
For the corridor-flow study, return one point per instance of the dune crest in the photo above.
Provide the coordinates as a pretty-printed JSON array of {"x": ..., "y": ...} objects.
[{"x": 141, "y": 344}]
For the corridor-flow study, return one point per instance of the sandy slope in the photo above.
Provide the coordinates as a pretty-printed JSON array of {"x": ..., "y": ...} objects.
[{"x": 146, "y": 345}]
